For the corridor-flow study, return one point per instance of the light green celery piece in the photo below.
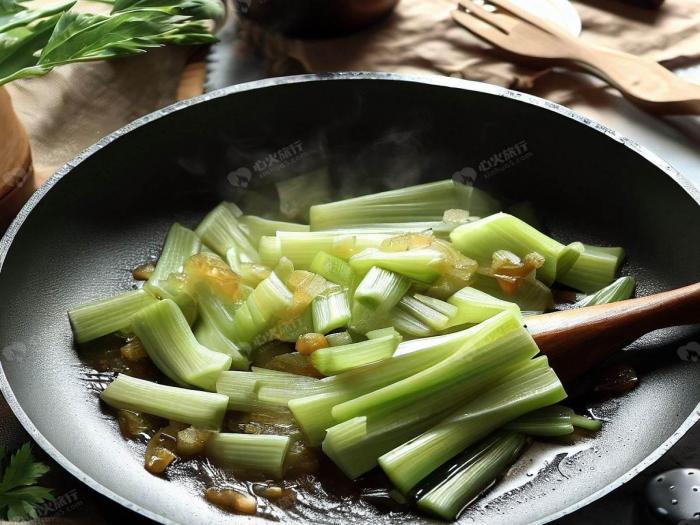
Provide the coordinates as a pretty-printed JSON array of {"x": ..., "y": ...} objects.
[
  {"x": 106, "y": 316},
  {"x": 618, "y": 290},
  {"x": 258, "y": 453},
  {"x": 419, "y": 264},
  {"x": 221, "y": 231},
  {"x": 439, "y": 229},
  {"x": 479, "y": 469},
  {"x": 302, "y": 247},
  {"x": 280, "y": 387},
  {"x": 196, "y": 408},
  {"x": 549, "y": 421},
  {"x": 512, "y": 397},
  {"x": 438, "y": 305},
  {"x": 180, "y": 244},
  {"x": 269, "y": 299},
  {"x": 287, "y": 330},
  {"x": 333, "y": 269},
  {"x": 383, "y": 332},
  {"x": 173, "y": 348},
  {"x": 435, "y": 320},
  {"x": 240, "y": 389},
  {"x": 475, "y": 306},
  {"x": 495, "y": 342},
  {"x": 381, "y": 289},
  {"x": 256, "y": 227},
  {"x": 424, "y": 202},
  {"x": 356, "y": 444},
  {"x": 177, "y": 290},
  {"x": 330, "y": 311},
  {"x": 337, "y": 359},
  {"x": 480, "y": 239},
  {"x": 364, "y": 318},
  {"x": 215, "y": 310},
  {"x": 594, "y": 269},
  {"x": 409, "y": 325},
  {"x": 339, "y": 338},
  {"x": 313, "y": 413},
  {"x": 210, "y": 336},
  {"x": 284, "y": 269},
  {"x": 532, "y": 296}
]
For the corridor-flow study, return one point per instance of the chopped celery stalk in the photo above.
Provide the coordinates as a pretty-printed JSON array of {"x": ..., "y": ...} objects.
[
  {"x": 209, "y": 335},
  {"x": 381, "y": 289},
  {"x": 287, "y": 330},
  {"x": 546, "y": 422},
  {"x": 424, "y": 313},
  {"x": 171, "y": 345},
  {"x": 196, "y": 408},
  {"x": 436, "y": 304},
  {"x": 594, "y": 269},
  {"x": 515, "y": 395},
  {"x": 532, "y": 296},
  {"x": 259, "y": 453},
  {"x": 356, "y": 444},
  {"x": 592, "y": 425},
  {"x": 256, "y": 227},
  {"x": 332, "y": 268},
  {"x": 269, "y": 299},
  {"x": 383, "y": 332},
  {"x": 180, "y": 244},
  {"x": 440, "y": 229},
  {"x": 252, "y": 274},
  {"x": 105, "y": 316},
  {"x": 313, "y": 413},
  {"x": 215, "y": 310},
  {"x": 336, "y": 359},
  {"x": 221, "y": 231},
  {"x": 330, "y": 312},
  {"x": 475, "y": 306},
  {"x": 495, "y": 342},
  {"x": 481, "y": 239},
  {"x": 175, "y": 288},
  {"x": 240, "y": 389},
  {"x": 365, "y": 318},
  {"x": 339, "y": 339},
  {"x": 419, "y": 264},
  {"x": 233, "y": 208},
  {"x": 281, "y": 387},
  {"x": 409, "y": 325},
  {"x": 301, "y": 248},
  {"x": 618, "y": 290},
  {"x": 284, "y": 269},
  {"x": 469, "y": 474},
  {"x": 424, "y": 202}
]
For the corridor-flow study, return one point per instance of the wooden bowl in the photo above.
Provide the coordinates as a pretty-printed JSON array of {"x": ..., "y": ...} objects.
[
  {"x": 315, "y": 18},
  {"x": 16, "y": 171}
]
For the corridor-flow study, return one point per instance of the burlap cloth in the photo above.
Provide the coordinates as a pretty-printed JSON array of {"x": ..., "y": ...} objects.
[{"x": 74, "y": 106}]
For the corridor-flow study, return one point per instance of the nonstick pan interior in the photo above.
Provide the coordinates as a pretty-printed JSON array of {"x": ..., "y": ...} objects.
[{"x": 110, "y": 209}]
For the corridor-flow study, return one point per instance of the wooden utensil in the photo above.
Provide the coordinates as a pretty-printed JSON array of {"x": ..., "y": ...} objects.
[
  {"x": 578, "y": 339},
  {"x": 641, "y": 80}
]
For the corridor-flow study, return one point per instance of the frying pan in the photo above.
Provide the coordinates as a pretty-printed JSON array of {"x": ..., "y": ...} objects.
[{"x": 109, "y": 209}]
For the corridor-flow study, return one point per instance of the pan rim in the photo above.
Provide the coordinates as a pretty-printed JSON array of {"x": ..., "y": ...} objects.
[{"x": 466, "y": 85}]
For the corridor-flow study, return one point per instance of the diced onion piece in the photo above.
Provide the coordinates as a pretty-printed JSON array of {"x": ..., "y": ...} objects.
[
  {"x": 191, "y": 441},
  {"x": 133, "y": 351},
  {"x": 307, "y": 344},
  {"x": 407, "y": 241},
  {"x": 143, "y": 271},
  {"x": 232, "y": 500}
]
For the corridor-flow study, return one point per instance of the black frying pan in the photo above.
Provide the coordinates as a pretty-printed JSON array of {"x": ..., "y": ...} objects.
[{"x": 108, "y": 210}]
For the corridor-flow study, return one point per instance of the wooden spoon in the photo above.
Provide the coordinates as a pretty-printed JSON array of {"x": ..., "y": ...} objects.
[{"x": 576, "y": 340}]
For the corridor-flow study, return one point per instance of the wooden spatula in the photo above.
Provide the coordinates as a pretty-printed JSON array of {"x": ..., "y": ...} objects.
[
  {"x": 576, "y": 340},
  {"x": 522, "y": 34}
]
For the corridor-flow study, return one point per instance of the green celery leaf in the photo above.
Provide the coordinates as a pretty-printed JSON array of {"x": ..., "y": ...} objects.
[
  {"x": 13, "y": 14},
  {"x": 22, "y": 470},
  {"x": 18, "y": 491},
  {"x": 199, "y": 9},
  {"x": 19, "y": 47}
]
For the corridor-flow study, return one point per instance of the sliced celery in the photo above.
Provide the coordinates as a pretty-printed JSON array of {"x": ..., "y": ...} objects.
[
  {"x": 176, "y": 288},
  {"x": 548, "y": 421},
  {"x": 480, "y": 239},
  {"x": 409, "y": 325},
  {"x": 330, "y": 311},
  {"x": 336, "y": 359},
  {"x": 512, "y": 397},
  {"x": 332, "y": 268},
  {"x": 475, "y": 306},
  {"x": 439, "y": 229},
  {"x": 594, "y": 269},
  {"x": 180, "y": 244},
  {"x": 339, "y": 339},
  {"x": 470, "y": 474},
  {"x": 532, "y": 296},
  {"x": 365, "y": 318},
  {"x": 215, "y": 310},
  {"x": 301, "y": 248},
  {"x": 284, "y": 269},
  {"x": 256, "y": 227},
  {"x": 438, "y": 305},
  {"x": 196, "y": 408},
  {"x": 221, "y": 231},
  {"x": 425, "y": 202},
  {"x": 171, "y": 345},
  {"x": 495, "y": 342},
  {"x": 105, "y": 316},
  {"x": 240, "y": 391},
  {"x": 420, "y": 264},
  {"x": 425, "y": 314},
  {"x": 258, "y": 453},
  {"x": 209, "y": 335},
  {"x": 287, "y": 330},
  {"x": 269, "y": 299},
  {"x": 381, "y": 289},
  {"x": 619, "y": 290}
]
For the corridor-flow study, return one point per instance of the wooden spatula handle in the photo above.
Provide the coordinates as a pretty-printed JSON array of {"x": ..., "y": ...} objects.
[{"x": 577, "y": 340}]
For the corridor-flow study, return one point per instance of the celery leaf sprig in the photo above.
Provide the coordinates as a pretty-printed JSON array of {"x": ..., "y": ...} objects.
[{"x": 19, "y": 492}]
